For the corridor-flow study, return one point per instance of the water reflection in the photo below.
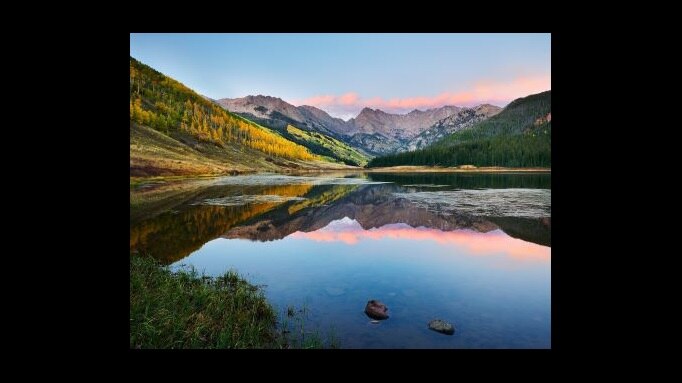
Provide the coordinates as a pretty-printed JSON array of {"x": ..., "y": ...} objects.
[
  {"x": 171, "y": 221},
  {"x": 468, "y": 180},
  {"x": 174, "y": 231},
  {"x": 471, "y": 249},
  {"x": 495, "y": 242}
]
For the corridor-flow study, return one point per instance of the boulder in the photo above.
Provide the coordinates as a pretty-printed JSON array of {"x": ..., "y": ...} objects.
[
  {"x": 442, "y": 327},
  {"x": 376, "y": 310}
]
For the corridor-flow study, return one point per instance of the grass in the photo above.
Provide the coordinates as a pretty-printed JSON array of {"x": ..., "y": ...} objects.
[
  {"x": 154, "y": 154},
  {"x": 294, "y": 334},
  {"x": 186, "y": 310}
]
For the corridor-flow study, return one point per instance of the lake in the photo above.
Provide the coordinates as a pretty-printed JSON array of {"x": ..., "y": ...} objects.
[{"x": 471, "y": 249}]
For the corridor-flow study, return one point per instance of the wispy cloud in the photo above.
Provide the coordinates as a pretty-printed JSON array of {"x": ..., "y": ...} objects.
[{"x": 494, "y": 92}]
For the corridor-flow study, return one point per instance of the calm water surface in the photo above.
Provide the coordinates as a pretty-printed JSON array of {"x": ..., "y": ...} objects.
[{"x": 472, "y": 249}]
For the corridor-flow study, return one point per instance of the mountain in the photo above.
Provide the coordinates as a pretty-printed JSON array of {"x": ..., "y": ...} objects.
[
  {"x": 277, "y": 114},
  {"x": 175, "y": 131},
  {"x": 378, "y": 132},
  {"x": 372, "y": 132},
  {"x": 463, "y": 119},
  {"x": 519, "y": 135},
  {"x": 398, "y": 126},
  {"x": 317, "y": 130},
  {"x": 319, "y": 119}
]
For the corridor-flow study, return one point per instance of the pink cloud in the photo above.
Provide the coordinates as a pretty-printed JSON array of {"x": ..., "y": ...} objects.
[
  {"x": 484, "y": 91},
  {"x": 321, "y": 100},
  {"x": 349, "y": 99},
  {"x": 495, "y": 242}
]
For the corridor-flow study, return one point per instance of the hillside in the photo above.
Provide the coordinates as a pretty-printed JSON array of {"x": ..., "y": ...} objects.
[
  {"x": 326, "y": 146},
  {"x": 461, "y": 120},
  {"x": 518, "y": 136},
  {"x": 153, "y": 153},
  {"x": 319, "y": 131},
  {"x": 175, "y": 131}
]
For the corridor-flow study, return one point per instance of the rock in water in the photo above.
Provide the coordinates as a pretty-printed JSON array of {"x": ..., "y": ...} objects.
[
  {"x": 442, "y": 327},
  {"x": 376, "y": 310}
]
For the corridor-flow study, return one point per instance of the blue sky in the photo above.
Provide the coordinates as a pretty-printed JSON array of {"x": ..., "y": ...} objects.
[{"x": 342, "y": 73}]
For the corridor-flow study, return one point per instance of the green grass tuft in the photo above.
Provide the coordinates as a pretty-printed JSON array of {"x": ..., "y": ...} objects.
[{"x": 186, "y": 310}]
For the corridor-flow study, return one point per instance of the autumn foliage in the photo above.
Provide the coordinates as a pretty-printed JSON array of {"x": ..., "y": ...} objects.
[{"x": 170, "y": 107}]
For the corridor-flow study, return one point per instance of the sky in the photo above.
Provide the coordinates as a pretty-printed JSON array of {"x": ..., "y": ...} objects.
[{"x": 343, "y": 73}]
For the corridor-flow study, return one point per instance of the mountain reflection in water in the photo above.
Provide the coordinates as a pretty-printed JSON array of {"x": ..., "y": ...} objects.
[
  {"x": 473, "y": 249},
  {"x": 268, "y": 213},
  {"x": 495, "y": 242}
]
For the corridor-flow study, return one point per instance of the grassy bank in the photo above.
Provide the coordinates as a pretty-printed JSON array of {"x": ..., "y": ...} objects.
[
  {"x": 153, "y": 154},
  {"x": 187, "y": 310}
]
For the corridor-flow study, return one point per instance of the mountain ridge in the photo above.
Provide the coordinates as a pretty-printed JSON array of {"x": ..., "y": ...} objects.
[
  {"x": 373, "y": 131},
  {"x": 279, "y": 115},
  {"x": 517, "y": 136},
  {"x": 461, "y": 120}
]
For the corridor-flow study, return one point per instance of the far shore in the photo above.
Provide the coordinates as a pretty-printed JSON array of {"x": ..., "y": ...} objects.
[
  {"x": 463, "y": 169},
  {"x": 389, "y": 169}
]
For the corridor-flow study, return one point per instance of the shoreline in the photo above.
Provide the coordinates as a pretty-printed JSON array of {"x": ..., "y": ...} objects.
[
  {"x": 134, "y": 180},
  {"x": 225, "y": 311},
  {"x": 437, "y": 169}
]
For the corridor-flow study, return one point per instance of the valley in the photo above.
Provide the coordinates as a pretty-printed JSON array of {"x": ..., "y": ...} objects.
[
  {"x": 340, "y": 190},
  {"x": 176, "y": 132}
]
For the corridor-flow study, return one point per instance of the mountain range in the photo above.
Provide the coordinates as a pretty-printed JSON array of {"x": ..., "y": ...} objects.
[
  {"x": 176, "y": 131},
  {"x": 518, "y": 136},
  {"x": 373, "y": 131}
]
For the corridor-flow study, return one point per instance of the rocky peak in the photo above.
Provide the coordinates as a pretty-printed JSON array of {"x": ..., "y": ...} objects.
[
  {"x": 261, "y": 97},
  {"x": 261, "y": 106},
  {"x": 463, "y": 118}
]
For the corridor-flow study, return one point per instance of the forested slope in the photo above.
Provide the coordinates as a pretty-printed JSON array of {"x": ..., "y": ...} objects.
[
  {"x": 203, "y": 137},
  {"x": 519, "y": 136}
]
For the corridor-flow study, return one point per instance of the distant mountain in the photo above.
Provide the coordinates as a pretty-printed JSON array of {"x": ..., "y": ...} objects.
[
  {"x": 463, "y": 119},
  {"x": 373, "y": 131},
  {"x": 378, "y": 132},
  {"x": 319, "y": 131},
  {"x": 398, "y": 126},
  {"x": 319, "y": 119},
  {"x": 276, "y": 113},
  {"x": 175, "y": 131},
  {"x": 518, "y": 136}
]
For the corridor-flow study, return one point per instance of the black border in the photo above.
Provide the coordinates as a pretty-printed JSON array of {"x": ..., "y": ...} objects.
[{"x": 565, "y": 147}]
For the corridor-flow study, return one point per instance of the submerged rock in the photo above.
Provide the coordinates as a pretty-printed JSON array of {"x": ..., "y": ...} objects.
[
  {"x": 442, "y": 326},
  {"x": 376, "y": 310}
]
